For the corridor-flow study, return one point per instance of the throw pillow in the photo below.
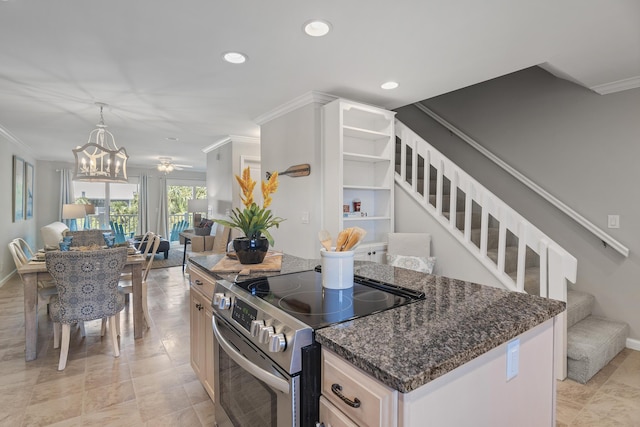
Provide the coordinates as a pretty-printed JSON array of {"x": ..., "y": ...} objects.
[{"x": 417, "y": 263}]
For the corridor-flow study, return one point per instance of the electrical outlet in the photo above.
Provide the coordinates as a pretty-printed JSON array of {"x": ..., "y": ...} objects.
[
  {"x": 613, "y": 221},
  {"x": 513, "y": 358}
]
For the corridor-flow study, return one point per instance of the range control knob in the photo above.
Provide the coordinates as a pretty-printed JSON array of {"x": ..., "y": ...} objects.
[
  {"x": 265, "y": 334},
  {"x": 278, "y": 343},
  {"x": 225, "y": 303},
  {"x": 216, "y": 298},
  {"x": 255, "y": 327}
]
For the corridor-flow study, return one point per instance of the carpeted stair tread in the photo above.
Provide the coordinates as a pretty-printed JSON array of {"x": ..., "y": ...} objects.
[
  {"x": 531, "y": 280},
  {"x": 492, "y": 237},
  {"x": 591, "y": 344},
  {"x": 579, "y": 306},
  {"x": 511, "y": 259}
]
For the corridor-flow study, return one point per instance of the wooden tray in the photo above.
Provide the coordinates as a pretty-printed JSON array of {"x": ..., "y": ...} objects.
[{"x": 272, "y": 262}]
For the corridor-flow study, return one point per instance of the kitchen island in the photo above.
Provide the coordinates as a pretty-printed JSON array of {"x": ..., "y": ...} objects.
[{"x": 445, "y": 357}]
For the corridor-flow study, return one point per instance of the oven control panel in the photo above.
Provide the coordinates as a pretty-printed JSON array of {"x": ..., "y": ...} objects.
[
  {"x": 272, "y": 331},
  {"x": 244, "y": 314}
]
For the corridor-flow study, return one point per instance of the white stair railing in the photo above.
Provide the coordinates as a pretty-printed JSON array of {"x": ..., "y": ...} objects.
[{"x": 419, "y": 162}]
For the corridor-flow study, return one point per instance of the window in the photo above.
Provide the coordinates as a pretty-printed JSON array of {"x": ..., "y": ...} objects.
[
  {"x": 178, "y": 195},
  {"x": 121, "y": 200}
]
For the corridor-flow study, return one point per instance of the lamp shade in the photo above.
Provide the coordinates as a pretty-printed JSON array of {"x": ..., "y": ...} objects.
[
  {"x": 73, "y": 211},
  {"x": 90, "y": 209},
  {"x": 197, "y": 205}
]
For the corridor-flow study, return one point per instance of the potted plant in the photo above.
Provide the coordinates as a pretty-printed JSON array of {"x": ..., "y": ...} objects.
[{"x": 253, "y": 221}]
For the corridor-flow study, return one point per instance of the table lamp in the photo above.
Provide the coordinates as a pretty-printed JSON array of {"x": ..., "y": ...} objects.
[
  {"x": 71, "y": 212},
  {"x": 197, "y": 206},
  {"x": 89, "y": 210}
]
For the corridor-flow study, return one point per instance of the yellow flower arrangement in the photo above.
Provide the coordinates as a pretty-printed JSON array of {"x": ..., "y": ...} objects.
[{"x": 254, "y": 221}]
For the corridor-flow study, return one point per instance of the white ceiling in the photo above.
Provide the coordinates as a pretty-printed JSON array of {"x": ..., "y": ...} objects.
[{"x": 157, "y": 63}]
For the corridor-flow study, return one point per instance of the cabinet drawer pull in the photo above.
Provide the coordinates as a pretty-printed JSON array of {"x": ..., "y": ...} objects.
[
  {"x": 198, "y": 282},
  {"x": 337, "y": 390}
]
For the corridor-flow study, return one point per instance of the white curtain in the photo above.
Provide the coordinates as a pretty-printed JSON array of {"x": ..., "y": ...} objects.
[
  {"x": 163, "y": 210},
  {"x": 143, "y": 205},
  {"x": 66, "y": 191}
]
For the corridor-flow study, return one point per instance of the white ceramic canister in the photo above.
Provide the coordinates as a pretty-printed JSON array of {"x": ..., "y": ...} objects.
[{"x": 337, "y": 269}]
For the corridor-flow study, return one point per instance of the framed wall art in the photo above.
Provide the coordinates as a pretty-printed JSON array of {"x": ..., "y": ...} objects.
[
  {"x": 28, "y": 185},
  {"x": 18, "y": 189}
]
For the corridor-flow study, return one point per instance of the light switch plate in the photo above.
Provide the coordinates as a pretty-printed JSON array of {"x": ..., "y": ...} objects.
[{"x": 613, "y": 221}]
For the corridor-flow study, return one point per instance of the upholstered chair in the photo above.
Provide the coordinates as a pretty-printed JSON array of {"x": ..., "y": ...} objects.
[
  {"x": 411, "y": 251},
  {"x": 87, "y": 237},
  {"x": 87, "y": 283},
  {"x": 52, "y": 234}
]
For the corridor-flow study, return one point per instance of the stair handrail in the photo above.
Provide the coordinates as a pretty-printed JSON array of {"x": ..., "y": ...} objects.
[
  {"x": 556, "y": 264},
  {"x": 607, "y": 239}
]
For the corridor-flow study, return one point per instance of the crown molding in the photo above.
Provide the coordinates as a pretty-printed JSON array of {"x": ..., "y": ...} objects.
[
  {"x": 231, "y": 138},
  {"x": 294, "y": 104},
  {"x": 618, "y": 86},
  {"x": 5, "y": 133}
]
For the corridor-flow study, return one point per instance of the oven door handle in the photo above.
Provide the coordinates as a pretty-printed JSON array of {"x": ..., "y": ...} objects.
[{"x": 264, "y": 376}]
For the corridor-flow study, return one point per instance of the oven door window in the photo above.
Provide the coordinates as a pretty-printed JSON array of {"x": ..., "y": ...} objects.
[{"x": 246, "y": 400}]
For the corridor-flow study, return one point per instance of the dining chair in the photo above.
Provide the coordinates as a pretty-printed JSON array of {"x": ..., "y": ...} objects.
[
  {"x": 45, "y": 288},
  {"x": 149, "y": 253},
  {"x": 87, "y": 283},
  {"x": 24, "y": 246}
]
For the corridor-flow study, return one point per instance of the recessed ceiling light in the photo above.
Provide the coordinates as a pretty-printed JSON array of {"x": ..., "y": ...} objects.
[
  {"x": 389, "y": 85},
  {"x": 235, "y": 57},
  {"x": 317, "y": 27},
  {"x": 171, "y": 138}
]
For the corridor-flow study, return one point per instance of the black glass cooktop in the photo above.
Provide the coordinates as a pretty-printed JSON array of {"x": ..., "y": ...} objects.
[{"x": 302, "y": 295}]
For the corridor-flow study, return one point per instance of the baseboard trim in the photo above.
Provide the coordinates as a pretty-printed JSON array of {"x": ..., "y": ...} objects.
[{"x": 633, "y": 344}]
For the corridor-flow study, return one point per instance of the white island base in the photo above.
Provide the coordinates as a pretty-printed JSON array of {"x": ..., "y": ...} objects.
[
  {"x": 475, "y": 394},
  {"x": 478, "y": 393}
]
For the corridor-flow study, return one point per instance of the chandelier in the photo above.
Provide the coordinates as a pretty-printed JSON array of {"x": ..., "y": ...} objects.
[{"x": 100, "y": 159}]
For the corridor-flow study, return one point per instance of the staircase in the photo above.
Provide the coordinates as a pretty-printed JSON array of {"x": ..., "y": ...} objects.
[
  {"x": 592, "y": 341},
  {"x": 522, "y": 257}
]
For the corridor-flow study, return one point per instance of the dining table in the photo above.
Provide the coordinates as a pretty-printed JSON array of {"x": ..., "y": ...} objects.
[{"x": 36, "y": 270}]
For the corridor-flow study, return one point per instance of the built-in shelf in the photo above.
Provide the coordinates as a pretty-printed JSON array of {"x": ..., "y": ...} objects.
[{"x": 362, "y": 139}]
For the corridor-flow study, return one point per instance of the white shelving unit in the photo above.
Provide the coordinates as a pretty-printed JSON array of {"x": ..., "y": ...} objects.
[{"x": 358, "y": 159}]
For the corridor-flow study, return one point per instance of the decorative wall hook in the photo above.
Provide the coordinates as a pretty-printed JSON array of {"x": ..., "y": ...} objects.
[{"x": 294, "y": 171}]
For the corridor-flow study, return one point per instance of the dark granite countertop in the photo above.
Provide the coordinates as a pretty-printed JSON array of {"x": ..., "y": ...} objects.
[{"x": 409, "y": 346}]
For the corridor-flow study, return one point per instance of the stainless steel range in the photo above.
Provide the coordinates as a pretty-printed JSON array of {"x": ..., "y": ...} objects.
[{"x": 266, "y": 361}]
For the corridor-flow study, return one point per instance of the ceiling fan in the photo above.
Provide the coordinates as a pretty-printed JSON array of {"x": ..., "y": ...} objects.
[{"x": 167, "y": 166}]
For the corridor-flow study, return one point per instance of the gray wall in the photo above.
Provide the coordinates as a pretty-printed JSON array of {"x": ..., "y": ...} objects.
[
  {"x": 580, "y": 146},
  {"x": 9, "y": 230}
]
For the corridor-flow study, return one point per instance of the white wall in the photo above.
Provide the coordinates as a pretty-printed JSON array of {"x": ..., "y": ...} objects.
[
  {"x": 220, "y": 180},
  {"x": 452, "y": 259},
  {"x": 580, "y": 146},
  {"x": 287, "y": 140},
  {"x": 223, "y": 163}
]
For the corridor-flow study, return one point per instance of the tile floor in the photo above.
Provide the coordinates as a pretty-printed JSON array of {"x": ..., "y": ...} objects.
[{"x": 152, "y": 383}]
